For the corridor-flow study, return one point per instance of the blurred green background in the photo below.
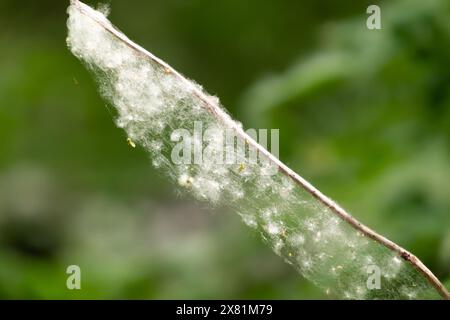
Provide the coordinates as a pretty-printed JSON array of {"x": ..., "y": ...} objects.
[{"x": 364, "y": 115}]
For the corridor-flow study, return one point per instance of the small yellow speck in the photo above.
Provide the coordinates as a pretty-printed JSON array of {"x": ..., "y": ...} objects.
[
  {"x": 241, "y": 167},
  {"x": 131, "y": 143},
  {"x": 290, "y": 254},
  {"x": 167, "y": 70}
]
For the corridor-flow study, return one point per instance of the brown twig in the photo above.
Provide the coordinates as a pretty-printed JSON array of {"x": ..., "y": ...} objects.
[{"x": 221, "y": 116}]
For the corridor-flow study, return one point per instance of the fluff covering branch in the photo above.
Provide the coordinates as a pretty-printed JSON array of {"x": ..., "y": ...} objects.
[{"x": 304, "y": 227}]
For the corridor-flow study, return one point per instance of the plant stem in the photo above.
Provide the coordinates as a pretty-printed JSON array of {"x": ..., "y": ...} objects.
[{"x": 213, "y": 108}]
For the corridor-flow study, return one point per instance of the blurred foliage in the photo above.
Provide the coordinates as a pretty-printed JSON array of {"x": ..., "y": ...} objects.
[
  {"x": 369, "y": 118},
  {"x": 364, "y": 115}
]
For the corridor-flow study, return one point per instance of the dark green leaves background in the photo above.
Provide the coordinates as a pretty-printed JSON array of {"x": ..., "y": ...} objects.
[{"x": 364, "y": 115}]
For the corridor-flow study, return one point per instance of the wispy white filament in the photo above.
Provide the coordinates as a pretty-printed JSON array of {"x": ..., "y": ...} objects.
[{"x": 152, "y": 102}]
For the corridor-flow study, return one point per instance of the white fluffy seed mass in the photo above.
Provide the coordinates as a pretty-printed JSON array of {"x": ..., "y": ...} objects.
[{"x": 151, "y": 102}]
